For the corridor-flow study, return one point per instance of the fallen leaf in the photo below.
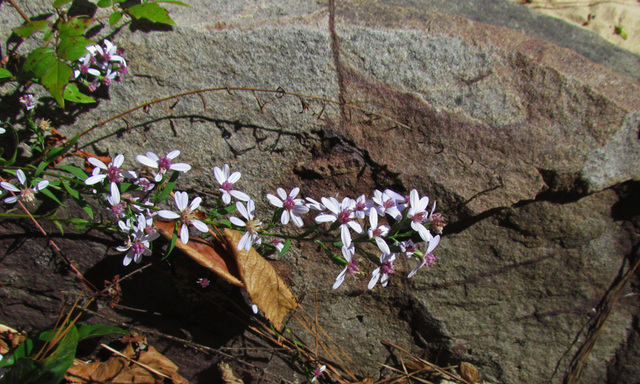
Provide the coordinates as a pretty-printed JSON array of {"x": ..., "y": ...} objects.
[
  {"x": 85, "y": 155},
  {"x": 265, "y": 287},
  {"x": 469, "y": 372},
  {"x": 120, "y": 370},
  {"x": 227, "y": 374},
  {"x": 9, "y": 339},
  {"x": 246, "y": 269},
  {"x": 213, "y": 255}
]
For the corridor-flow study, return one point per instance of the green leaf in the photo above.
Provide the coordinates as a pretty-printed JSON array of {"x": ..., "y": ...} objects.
[
  {"x": 85, "y": 331},
  {"x": 172, "y": 245},
  {"x": 72, "y": 48},
  {"x": 4, "y": 73},
  {"x": 56, "y": 152},
  {"x": 31, "y": 27},
  {"x": 114, "y": 18},
  {"x": 25, "y": 349},
  {"x": 50, "y": 194},
  {"x": 10, "y": 134},
  {"x": 74, "y": 26},
  {"x": 104, "y": 3},
  {"x": 168, "y": 188},
  {"x": 173, "y": 2},
  {"x": 621, "y": 31},
  {"x": 75, "y": 171},
  {"x": 62, "y": 358},
  {"x": 286, "y": 247},
  {"x": 59, "y": 225},
  {"x": 72, "y": 93},
  {"x": 88, "y": 210},
  {"x": 56, "y": 78},
  {"x": 60, "y": 3},
  {"x": 39, "y": 61},
  {"x": 152, "y": 12}
]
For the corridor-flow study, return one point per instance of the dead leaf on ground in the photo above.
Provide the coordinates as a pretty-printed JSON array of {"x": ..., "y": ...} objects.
[
  {"x": 469, "y": 372},
  {"x": 227, "y": 374},
  {"x": 9, "y": 339},
  {"x": 249, "y": 270},
  {"x": 120, "y": 370}
]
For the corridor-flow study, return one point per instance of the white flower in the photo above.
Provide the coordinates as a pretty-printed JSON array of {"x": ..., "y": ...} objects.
[
  {"x": 278, "y": 244},
  {"x": 252, "y": 225},
  {"x": 343, "y": 213},
  {"x": 378, "y": 232},
  {"x": 351, "y": 267},
  {"x": 138, "y": 243},
  {"x": 113, "y": 173},
  {"x": 163, "y": 164},
  {"x": 408, "y": 247},
  {"x": 26, "y": 194},
  {"x": 385, "y": 269},
  {"x": 226, "y": 179},
  {"x": 186, "y": 215},
  {"x": 315, "y": 205},
  {"x": 418, "y": 214},
  {"x": 362, "y": 207},
  {"x": 387, "y": 205},
  {"x": 426, "y": 258},
  {"x": 317, "y": 372},
  {"x": 292, "y": 207}
]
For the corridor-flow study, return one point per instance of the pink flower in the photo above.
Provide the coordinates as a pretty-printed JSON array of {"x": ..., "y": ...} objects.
[
  {"x": 226, "y": 179},
  {"x": 138, "y": 243},
  {"x": 186, "y": 215},
  {"x": 385, "y": 269},
  {"x": 343, "y": 213},
  {"x": 426, "y": 258},
  {"x": 351, "y": 267},
  {"x": 378, "y": 232},
  {"x": 113, "y": 173},
  {"x": 388, "y": 205},
  {"x": 293, "y": 207},
  {"x": 163, "y": 164},
  {"x": 25, "y": 194},
  {"x": 418, "y": 214}
]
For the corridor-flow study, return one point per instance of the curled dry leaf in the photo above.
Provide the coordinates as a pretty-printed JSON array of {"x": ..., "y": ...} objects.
[
  {"x": 246, "y": 269},
  {"x": 119, "y": 369},
  {"x": 469, "y": 372},
  {"x": 9, "y": 339}
]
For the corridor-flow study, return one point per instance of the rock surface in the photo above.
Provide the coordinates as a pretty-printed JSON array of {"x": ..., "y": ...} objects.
[{"x": 531, "y": 150}]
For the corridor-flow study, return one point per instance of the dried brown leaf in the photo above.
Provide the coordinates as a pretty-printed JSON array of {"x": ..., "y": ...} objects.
[
  {"x": 214, "y": 255},
  {"x": 416, "y": 365},
  {"x": 119, "y": 370},
  {"x": 469, "y": 372},
  {"x": 265, "y": 287},
  {"x": 9, "y": 339},
  {"x": 227, "y": 374}
]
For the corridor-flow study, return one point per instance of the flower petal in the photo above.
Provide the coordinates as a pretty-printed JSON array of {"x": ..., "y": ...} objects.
[
  {"x": 21, "y": 177},
  {"x": 168, "y": 215}
]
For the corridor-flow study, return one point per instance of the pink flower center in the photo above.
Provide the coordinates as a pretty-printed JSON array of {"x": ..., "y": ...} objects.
[
  {"x": 289, "y": 203},
  {"x": 227, "y": 186},
  {"x": 186, "y": 216},
  {"x": 344, "y": 216},
  {"x": 352, "y": 267},
  {"x": 164, "y": 163},
  {"x": 377, "y": 232},
  {"x": 118, "y": 209},
  {"x": 253, "y": 226},
  {"x": 361, "y": 205},
  {"x": 387, "y": 268},
  {"x": 419, "y": 217},
  {"x": 113, "y": 173},
  {"x": 138, "y": 247},
  {"x": 388, "y": 204}
]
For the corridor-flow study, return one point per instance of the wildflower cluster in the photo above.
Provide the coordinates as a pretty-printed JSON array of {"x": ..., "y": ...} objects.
[
  {"x": 379, "y": 228},
  {"x": 101, "y": 65}
]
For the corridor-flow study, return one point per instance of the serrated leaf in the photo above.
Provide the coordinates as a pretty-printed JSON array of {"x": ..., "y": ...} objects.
[
  {"x": 152, "y": 12},
  {"x": 72, "y": 48},
  {"x": 56, "y": 78},
  {"x": 85, "y": 331},
  {"x": 114, "y": 18},
  {"x": 30, "y": 27},
  {"x": 74, "y": 26},
  {"x": 72, "y": 93},
  {"x": 60, "y": 3},
  {"x": 5, "y": 73}
]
